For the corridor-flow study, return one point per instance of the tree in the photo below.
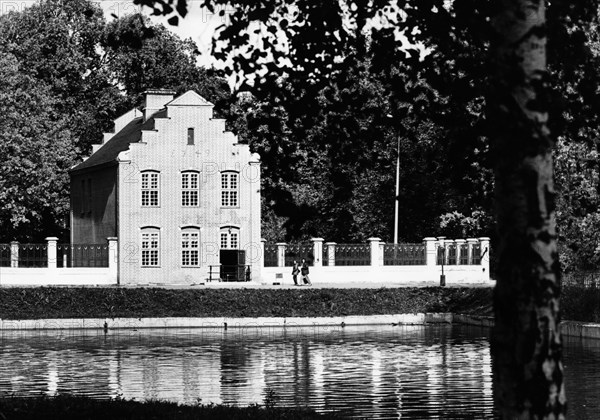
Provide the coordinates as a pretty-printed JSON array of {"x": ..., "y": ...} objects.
[
  {"x": 140, "y": 56},
  {"x": 526, "y": 343},
  {"x": 63, "y": 73},
  {"x": 35, "y": 154}
]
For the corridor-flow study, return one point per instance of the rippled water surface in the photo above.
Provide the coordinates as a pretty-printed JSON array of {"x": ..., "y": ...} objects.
[{"x": 376, "y": 372}]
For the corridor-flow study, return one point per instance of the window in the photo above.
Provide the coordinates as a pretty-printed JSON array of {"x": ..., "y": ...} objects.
[
  {"x": 150, "y": 242},
  {"x": 190, "y": 137},
  {"x": 189, "y": 189},
  {"x": 230, "y": 238},
  {"x": 190, "y": 248},
  {"x": 229, "y": 189},
  {"x": 149, "y": 189}
]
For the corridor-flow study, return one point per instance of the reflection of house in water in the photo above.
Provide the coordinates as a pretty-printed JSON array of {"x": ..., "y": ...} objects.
[{"x": 407, "y": 370}]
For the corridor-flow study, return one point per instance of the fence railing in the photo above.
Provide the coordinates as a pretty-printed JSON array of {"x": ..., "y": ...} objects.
[
  {"x": 587, "y": 279},
  {"x": 5, "y": 255},
  {"x": 53, "y": 255},
  {"x": 297, "y": 252},
  {"x": 403, "y": 254},
  {"x": 82, "y": 255},
  {"x": 432, "y": 251},
  {"x": 270, "y": 257},
  {"x": 33, "y": 255},
  {"x": 352, "y": 254}
]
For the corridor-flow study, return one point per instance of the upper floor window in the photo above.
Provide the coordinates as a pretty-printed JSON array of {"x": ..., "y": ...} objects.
[
  {"x": 189, "y": 189},
  {"x": 229, "y": 189},
  {"x": 230, "y": 238},
  {"x": 190, "y": 248},
  {"x": 150, "y": 247},
  {"x": 149, "y": 188},
  {"x": 190, "y": 137}
]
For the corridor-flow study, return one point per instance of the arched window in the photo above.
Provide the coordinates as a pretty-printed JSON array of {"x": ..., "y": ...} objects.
[
  {"x": 190, "y": 186},
  {"x": 229, "y": 189},
  {"x": 230, "y": 237},
  {"x": 190, "y": 136},
  {"x": 150, "y": 185},
  {"x": 150, "y": 245},
  {"x": 190, "y": 247}
]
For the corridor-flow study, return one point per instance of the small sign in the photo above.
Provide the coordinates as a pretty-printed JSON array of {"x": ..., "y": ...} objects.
[{"x": 279, "y": 275}]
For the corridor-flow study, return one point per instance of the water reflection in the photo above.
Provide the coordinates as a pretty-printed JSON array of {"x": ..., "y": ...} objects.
[{"x": 376, "y": 372}]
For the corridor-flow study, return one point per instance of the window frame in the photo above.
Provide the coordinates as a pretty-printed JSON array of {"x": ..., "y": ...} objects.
[
  {"x": 150, "y": 255},
  {"x": 148, "y": 189},
  {"x": 229, "y": 193},
  {"x": 188, "y": 251},
  {"x": 230, "y": 233},
  {"x": 189, "y": 190}
]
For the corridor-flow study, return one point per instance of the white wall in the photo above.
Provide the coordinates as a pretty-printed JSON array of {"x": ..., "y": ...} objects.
[
  {"x": 57, "y": 276},
  {"x": 460, "y": 274}
]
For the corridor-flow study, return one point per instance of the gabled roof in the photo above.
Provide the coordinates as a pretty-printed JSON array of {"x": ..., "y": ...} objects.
[
  {"x": 131, "y": 133},
  {"x": 189, "y": 98}
]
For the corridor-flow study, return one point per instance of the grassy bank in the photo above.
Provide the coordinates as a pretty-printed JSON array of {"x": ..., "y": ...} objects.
[
  {"x": 72, "y": 408},
  {"x": 578, "y": 304},
  {"x": 48, "y": 302}
]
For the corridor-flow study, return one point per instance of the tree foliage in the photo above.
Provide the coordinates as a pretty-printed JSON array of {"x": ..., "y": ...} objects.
[{"x": 66, "y": 75}]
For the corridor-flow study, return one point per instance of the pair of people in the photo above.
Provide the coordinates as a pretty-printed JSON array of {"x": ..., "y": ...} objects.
[{"x": 303, "y": 271}]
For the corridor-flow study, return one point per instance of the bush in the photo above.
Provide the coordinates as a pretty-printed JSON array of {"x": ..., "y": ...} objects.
[{"x": 49, "y": 302}]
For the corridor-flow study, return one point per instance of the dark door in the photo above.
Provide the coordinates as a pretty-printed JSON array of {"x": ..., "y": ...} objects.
[{"x": 233, "y": 265}]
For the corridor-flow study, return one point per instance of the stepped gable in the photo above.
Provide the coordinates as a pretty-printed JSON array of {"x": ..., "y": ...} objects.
[{"x": 131, "y": 133}]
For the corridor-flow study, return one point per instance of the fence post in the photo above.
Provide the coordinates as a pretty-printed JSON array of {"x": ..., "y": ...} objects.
[
  {"x": 374, "y": 250},
  {"x": 447, "y": 244},
  {"x": 430, "y": 251},
  {"x": 14, "y": 254},
  {"x": 113, "y": 257},
  {"x": 485, "y": 256},
  {"x": 281, "y": 254},
  {"x": 470, "y": 243},
  {"x": 459, "y": 244},
  {"x": 261, "y": 261},
  {"x": 51, "y": 255},
  {"x": 441, "y": 244},
  {"x": 330, "y": 253},
  {"x": 317, "y": 251}
]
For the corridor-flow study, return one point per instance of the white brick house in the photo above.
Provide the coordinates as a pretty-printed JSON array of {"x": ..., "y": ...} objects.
[{"x": 176, "y": 189}]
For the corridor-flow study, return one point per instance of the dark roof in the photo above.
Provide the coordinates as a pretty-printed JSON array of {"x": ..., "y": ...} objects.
[{"x": 131, "y": 133}]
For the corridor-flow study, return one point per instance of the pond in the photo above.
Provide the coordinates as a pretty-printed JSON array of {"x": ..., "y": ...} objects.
[{"x": 412, "y": 372}]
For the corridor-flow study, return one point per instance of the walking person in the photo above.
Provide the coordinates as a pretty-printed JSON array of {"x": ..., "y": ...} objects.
[
  {"x": 295, "y": 272},
  {"x": 304, "y": 272}
]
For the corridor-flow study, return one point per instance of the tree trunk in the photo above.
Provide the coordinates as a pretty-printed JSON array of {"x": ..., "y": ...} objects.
[{"x": 526, "y": 345}]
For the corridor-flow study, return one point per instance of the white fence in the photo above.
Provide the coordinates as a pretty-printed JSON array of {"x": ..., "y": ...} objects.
[
  {"x": 459, "y": 261},
  {"x": 434, "y": 261},
  {"x": 53, "y": 264}
]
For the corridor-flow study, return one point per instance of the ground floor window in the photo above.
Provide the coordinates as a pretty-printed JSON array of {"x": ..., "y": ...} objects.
[
  {"x": 150, "y": 247},
  {"x": 190, "y": 248}
]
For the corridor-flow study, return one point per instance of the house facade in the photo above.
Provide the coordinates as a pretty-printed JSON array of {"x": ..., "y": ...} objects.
[{"x": 180, "y": 193}]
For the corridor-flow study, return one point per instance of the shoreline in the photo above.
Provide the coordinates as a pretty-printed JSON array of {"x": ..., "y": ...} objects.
[{"x": 568, "y": 328}]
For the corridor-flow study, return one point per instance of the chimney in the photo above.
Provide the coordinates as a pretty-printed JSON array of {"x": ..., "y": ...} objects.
[{"x": 155, "y": 100}]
